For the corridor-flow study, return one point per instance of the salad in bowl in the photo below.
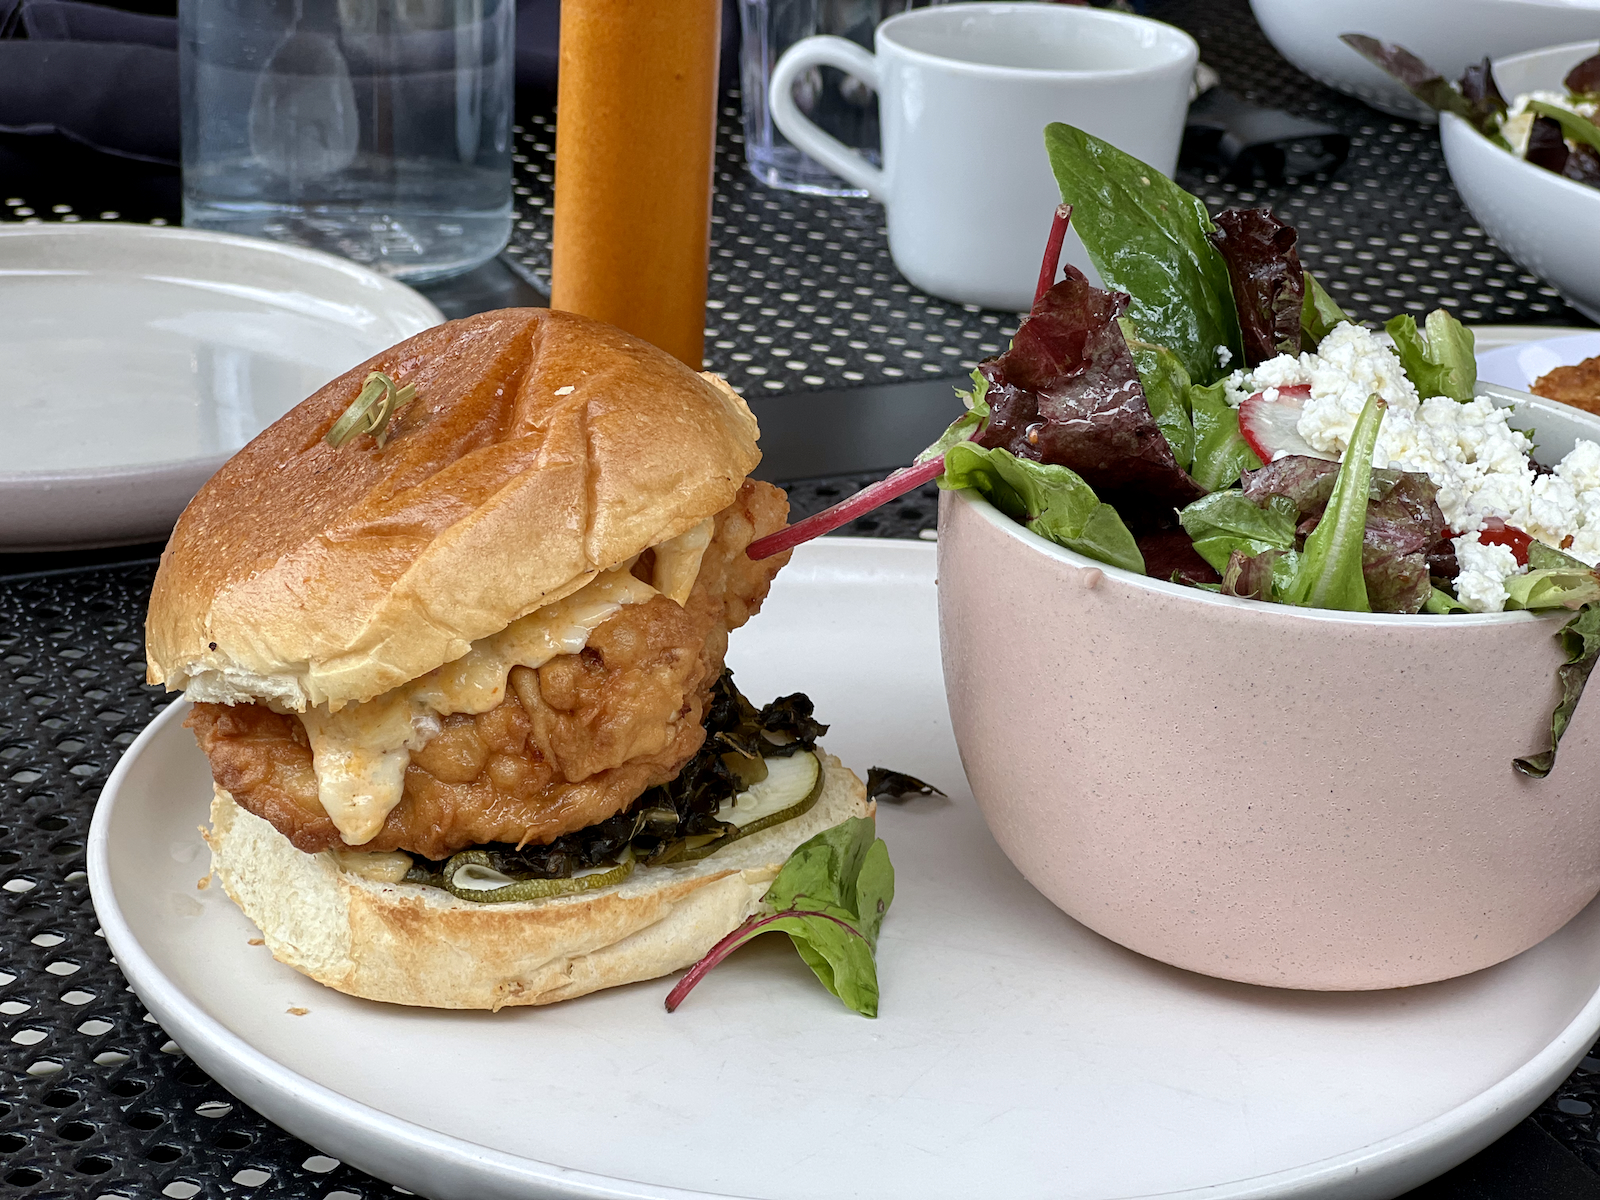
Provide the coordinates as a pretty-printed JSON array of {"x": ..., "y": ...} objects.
[{"x": 1261, "y": 630}]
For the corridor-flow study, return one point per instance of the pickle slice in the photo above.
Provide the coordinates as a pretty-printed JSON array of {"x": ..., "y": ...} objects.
[
  {"x": 791, "y": 787},
  {"x": 470, "y": 875}
]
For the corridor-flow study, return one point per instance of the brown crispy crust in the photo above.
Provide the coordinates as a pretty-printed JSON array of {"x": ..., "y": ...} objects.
[
  {"x": 1577, "y": 385},
  {"x": 541, "y": 446}
]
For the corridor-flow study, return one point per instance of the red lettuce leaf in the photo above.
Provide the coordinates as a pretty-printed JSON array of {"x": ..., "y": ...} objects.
[
  {"x": 1269, "y": 285},
  {"x": 1404, "y": 538},
  {"x": 1250, "y": 575},
  {"x": 1584, "y": 79},
  {"x": 1583, "y": 165},
  {"x": 1067, "y": 393},
  {"x": 1169, "y": 554},
  {"x": 1547, "y": 145},
  {"x": 1481, "y": 92}
]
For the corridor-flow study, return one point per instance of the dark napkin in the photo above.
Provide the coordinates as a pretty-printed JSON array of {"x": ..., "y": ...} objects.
[
  {"x": 108, "y": 78},
  {"x": 1247, "y": 143},
  {"x": 99, "y": 76}
]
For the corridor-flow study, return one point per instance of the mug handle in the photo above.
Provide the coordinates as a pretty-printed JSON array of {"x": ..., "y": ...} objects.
[{"x": 801, "y": 130}]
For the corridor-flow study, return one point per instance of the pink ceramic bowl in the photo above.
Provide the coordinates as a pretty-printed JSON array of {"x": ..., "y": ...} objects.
[{"x": 1280, "y": 796}]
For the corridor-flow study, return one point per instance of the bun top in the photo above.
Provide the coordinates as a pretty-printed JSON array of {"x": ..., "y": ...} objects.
[{"x": 541, "y": 447}]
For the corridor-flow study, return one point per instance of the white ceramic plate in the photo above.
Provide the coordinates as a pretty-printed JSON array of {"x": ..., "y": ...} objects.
[
  {"x": 137, "y": 359},
  {"x": 1017, "y": 1053},
  {"x": 1520, "y": 365}
]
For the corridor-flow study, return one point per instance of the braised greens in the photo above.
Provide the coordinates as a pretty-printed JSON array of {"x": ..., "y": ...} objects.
[{"x": 675, "y": 822}]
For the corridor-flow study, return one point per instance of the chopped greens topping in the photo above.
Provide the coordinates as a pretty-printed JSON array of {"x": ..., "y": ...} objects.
[{"x": 380, "y": 398}]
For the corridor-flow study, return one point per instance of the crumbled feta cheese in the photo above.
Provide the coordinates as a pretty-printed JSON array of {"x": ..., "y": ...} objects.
[
  {"x": 1224, "y": 357},
  {"x": 1519, "y": 106},
  {"x": 1479, "y": 463},
  {"x": 1481, "y": 584}
]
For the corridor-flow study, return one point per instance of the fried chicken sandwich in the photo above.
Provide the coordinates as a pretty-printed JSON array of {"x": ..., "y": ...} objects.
[{"x": 460, "y": 675}]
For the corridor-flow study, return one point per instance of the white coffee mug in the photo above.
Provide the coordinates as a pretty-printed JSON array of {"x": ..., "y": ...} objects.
[{"x": 964, "y": 94}]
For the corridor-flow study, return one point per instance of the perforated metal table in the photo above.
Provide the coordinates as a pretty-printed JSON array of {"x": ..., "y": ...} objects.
[{"x": 96, "y": 1101}]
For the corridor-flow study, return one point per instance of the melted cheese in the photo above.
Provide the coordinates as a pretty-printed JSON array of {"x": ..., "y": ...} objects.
[
  {"x": 361, "y": 752},
  {"x": 678, "y": 561}
]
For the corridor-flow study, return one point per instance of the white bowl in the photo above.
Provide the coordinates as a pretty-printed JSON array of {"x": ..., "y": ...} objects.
[
  {"x": 1547, "y": 223},
  {"x": 1446, "y": 34}
]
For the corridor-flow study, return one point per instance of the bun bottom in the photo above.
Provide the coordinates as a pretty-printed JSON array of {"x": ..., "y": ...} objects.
[{"x": 407, "y": 943}]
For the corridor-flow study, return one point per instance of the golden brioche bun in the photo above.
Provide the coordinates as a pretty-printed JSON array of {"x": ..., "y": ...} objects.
[
  {"x": 412, "y": 944},
  {"x": 541, "y": 447}
]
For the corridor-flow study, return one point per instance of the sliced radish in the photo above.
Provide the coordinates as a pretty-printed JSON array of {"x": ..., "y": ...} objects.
[{"x": 1272, "y": 427}]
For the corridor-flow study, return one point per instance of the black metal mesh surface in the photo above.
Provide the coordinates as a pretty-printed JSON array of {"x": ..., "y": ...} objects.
[
  {"x": 96, "y": 1101},
  {"x": 803, "y": 294}
]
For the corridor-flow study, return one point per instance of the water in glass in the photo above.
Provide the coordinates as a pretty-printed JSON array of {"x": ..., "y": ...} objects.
[
  {"x": 379, "y": 130},
  {"x": 841, "y": 104}
]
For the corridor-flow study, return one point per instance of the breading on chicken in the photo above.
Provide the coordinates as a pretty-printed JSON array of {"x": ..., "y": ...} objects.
[
  {"x": 574, "y": 742},
  {"x": 1577, "y": 385}
]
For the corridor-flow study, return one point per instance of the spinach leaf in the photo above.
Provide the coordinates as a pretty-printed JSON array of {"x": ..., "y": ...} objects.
[
  {"x": 1052, "y": 501},
  {"x": 830, "y": 898},
  {"x": 1221, "y": 454},
  {"x": 1576, "y": 127},
  {"x": 1580, "y": 640},
  {"x": 1329, "y": 573},
  {"x": 1268, "y": 282},
  {"x": 1166, "y": 388},
  {"x": 1147, "y": 237},
  {"x": 1438, "y": 361},
  {"x": 968, "y": 423},
  {"x": 1224, "y": 523},
  {"x": 1319, "y": 315}
]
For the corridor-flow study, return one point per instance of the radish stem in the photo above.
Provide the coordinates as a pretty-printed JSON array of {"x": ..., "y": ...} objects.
[
  {"x": 733, "y": 941},
  {"x": 1052, "y": 251},
  {"x": 842, "y": 513}
]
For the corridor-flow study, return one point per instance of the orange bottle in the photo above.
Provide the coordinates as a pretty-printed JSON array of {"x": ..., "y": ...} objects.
[{"x": 635, "y": 132}]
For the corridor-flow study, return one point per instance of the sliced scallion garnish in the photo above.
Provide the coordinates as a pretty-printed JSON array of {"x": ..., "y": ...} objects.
[{"x": 381, "y": 397}]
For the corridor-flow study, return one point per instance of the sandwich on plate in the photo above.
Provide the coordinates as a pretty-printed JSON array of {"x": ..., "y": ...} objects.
[{"x": 453, "y": 630}]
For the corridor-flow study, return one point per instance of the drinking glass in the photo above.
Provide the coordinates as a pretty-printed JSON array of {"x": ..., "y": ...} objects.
[
  {"x": 379, "y": 130},
  {"x": 839, "y": 104}
]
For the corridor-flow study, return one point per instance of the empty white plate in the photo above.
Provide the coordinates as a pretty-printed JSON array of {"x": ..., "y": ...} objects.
[
  {"x": 1017, "y": 1053},
  {"x": 137, "y": 359}
]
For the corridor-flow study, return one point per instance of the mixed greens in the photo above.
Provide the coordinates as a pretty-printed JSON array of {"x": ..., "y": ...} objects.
[
  {"x": 1108, "y": 427},
  {"x": 1553, "y": 130}
]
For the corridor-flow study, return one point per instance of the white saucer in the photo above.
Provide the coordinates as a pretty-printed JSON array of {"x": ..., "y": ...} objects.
[
  {"x": 136, "y": 359},
  {"x": 1520, "y": 364},
  {"x": 1017, "y": 1053}
]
